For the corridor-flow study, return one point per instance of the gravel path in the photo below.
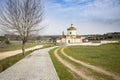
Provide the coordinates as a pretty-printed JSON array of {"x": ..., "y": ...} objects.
[
  {"x": 4, "y": 55},
  {"x": 95, "y": 68},
  {"x": 36, "y": 66}
]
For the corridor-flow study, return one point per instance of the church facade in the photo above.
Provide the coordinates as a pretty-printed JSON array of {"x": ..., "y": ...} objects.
[{"x": 71, "y": 37}]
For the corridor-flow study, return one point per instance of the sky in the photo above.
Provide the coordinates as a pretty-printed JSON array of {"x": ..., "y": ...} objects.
[{"x": 88, "y": 16}]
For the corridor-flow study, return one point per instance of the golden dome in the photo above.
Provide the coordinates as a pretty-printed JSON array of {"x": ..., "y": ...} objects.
[{"x": 71, "y": 28}]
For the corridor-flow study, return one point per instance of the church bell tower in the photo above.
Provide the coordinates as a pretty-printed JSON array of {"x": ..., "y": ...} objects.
[{"x": 71, "y": 31}]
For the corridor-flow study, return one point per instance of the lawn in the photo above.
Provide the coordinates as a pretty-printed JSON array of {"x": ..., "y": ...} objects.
[
  {"x": 106, "y": 56},
  {"x": 11, "y": 47},
  {"x": 63, "y": 72},
  {"x": 85, "y": 70}
]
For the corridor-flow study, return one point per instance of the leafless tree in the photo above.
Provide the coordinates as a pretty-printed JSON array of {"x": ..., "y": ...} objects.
[{"x": 22, "y": 17}]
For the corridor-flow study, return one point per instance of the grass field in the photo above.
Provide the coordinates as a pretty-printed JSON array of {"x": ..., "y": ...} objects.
[
  {"x": 14, "y": 46},
  {"x": 45, "y": 45},
  {"x": 84, "y": 69},
  {"x": 11, "y": 47},
  {"x": 66, "y": 74},
  {"x": 106, "y": 56},
  {"x": 63, "y": 72}
]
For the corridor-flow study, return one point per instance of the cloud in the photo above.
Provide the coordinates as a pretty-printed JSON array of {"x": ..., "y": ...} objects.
[
  {"x": 81, "y": 12},
  {"x": 97, "y": 9},
  {"x": 106, "y": 10}
]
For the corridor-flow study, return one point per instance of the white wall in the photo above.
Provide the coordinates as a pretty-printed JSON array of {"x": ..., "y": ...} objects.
[
  {"x": 73, "y": 32},
  {"x": 63, "y": 40},
  {"x": 58, "y": 41},
  {"x": 78, "y": 40}
]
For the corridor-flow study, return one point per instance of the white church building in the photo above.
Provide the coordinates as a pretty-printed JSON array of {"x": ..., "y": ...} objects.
[{"x": 71, "y": 37}]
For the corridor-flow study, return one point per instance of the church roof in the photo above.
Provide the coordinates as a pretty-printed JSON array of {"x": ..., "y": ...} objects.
[{"x": 71, "y": 28}]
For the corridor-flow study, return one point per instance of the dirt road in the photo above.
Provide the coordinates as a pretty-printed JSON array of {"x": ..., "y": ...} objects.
[{"x": 73, "y": 68}]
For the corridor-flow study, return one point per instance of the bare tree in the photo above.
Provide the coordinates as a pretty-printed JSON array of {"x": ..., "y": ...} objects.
[{"x": 22, "y": 17}]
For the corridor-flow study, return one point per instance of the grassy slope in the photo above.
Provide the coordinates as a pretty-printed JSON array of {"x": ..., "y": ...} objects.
[
  {"x": 107, "y": 56},
  {"x": 62, "y": 71},
  {"x": 16, "y": 47}
]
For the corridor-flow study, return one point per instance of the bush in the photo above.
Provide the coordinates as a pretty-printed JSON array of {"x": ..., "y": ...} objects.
[
  {"x": 7, "y": 42},
  {"x": 1, "y": 69},
  {"x": 3, "y": 45}
]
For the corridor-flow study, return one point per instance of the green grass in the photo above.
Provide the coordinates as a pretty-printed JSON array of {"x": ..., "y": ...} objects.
[
  {"x": 7, "y": 62},
  {"x": 86, "y": 70},
  {"x": 45, "y": 45},
  {"x": 16, "y": 47},
  {"x": 106, "y": 56},
  {"x": 63, "y": 72}
]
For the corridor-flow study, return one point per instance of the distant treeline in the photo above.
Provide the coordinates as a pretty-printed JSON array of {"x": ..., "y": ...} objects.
[
  {"x": 12, "y": 37},
  {"x": 107, "y": 36}
]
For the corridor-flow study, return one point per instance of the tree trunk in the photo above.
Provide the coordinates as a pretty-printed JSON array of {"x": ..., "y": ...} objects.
[{"x": 23, "y": 48}]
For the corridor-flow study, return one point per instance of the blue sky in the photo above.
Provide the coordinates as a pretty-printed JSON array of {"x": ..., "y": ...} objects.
[{"x": 88, "y": 16}]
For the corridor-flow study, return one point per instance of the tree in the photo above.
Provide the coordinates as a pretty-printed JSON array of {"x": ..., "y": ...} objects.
[{"x": 22, "y": 17}]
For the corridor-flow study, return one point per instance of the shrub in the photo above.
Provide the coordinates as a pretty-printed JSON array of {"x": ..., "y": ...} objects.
[{"x": 7, "y": 41}]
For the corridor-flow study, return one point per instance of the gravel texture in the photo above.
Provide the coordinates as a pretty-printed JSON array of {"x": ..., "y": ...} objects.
[{"x": 36, "y": 66}]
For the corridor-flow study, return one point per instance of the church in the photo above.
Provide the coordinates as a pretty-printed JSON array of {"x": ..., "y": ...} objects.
[{"x": 71, "y": 37}]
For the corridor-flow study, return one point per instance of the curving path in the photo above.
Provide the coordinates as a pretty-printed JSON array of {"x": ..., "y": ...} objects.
[
  {"x": 97, "y": 69},
  {"x": 73, "y": 68},
  {"x": 36, "y": 66},
  {"x": 4, "y": 55}
]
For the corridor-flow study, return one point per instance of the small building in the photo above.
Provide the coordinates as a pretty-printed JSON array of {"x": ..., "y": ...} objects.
[{"x": 71, "y": 37}]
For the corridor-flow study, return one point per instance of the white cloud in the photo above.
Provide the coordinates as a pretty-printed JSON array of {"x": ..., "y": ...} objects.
[{"x": 94, "y": 14}]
